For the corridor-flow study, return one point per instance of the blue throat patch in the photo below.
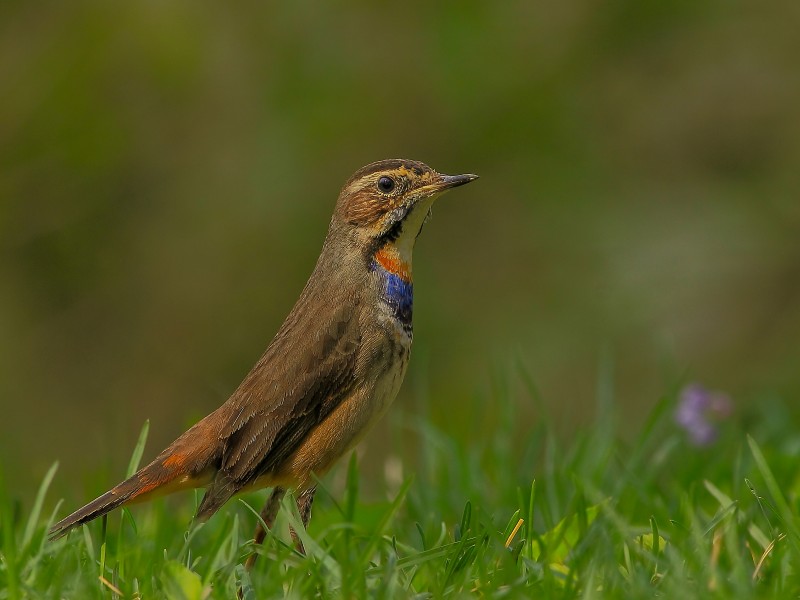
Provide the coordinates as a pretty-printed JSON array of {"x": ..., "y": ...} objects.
[{"x": 398, "y": 294}]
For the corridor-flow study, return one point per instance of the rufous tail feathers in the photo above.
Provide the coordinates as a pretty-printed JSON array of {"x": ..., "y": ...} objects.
[{"x": 186, "y": 463}]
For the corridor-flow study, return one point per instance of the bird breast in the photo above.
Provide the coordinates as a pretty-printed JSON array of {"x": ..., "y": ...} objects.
[{"x": 395, "y": 292}]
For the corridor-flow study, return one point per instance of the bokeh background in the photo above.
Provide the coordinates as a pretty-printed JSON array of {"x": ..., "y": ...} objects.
[{"x": 168, "y": 170}]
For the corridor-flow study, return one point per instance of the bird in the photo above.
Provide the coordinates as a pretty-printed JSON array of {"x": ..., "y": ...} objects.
[{"x": 331, "y": 371}]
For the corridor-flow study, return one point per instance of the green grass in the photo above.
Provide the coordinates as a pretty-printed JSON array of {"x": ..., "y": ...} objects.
[{"x": 596, "y": 516}]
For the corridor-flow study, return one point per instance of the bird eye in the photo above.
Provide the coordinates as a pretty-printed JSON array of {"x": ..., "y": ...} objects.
[{"x": 386, "y": 184}]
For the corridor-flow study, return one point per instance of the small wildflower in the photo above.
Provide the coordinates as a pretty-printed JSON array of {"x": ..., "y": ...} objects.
[{"x": 698, "y": 411}]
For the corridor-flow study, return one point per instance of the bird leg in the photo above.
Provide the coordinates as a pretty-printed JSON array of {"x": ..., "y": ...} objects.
[
  {"x": 267, "y": 518},
  {"x": 304, "y": 502}
]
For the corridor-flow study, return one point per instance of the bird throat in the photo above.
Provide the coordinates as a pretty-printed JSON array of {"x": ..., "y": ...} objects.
[{"x": 397, "y": 288}]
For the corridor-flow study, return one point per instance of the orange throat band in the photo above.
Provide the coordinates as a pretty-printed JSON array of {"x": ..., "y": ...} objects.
[{"x": 388, "y": 258}]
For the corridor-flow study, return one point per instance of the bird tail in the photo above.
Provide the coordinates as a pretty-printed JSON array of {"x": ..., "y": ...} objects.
[
  {"x": 186, "y": 463},
  {"x": 114, "y": 498}
]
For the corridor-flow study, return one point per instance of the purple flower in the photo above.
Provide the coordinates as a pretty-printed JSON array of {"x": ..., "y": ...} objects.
[{"x": 698, "y": 411}]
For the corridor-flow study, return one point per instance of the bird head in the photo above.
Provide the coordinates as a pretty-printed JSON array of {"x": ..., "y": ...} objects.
[{"x": 386, "y": 203}]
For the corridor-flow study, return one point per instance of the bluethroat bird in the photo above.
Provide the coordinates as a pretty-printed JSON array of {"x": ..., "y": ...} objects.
[{"x": 332, "y": 370}]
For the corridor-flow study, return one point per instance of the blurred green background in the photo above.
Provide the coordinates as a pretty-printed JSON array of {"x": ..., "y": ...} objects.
[{"x": 168, "y": 170}]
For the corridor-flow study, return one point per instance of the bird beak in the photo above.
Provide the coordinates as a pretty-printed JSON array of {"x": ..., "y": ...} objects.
[
  {"x": 451, "y": 181},
  {"x": 444, "y": 182}
]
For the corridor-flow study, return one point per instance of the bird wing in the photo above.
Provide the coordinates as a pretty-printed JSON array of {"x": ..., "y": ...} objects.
[{"x": 308, "y": 369}]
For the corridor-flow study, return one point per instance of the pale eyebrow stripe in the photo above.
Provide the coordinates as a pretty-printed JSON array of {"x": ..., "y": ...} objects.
[{"x": 359, "y": 183}]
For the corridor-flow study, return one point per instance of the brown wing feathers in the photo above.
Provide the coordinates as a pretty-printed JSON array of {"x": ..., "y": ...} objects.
[
  {"x": 303, "y": 375},
  {"x": 265, "y": 433}
]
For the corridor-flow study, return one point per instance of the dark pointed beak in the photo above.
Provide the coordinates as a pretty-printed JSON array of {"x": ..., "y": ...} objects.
[
  {"x": 451, "y": 181},
  {"x": 444, "y": 183}
]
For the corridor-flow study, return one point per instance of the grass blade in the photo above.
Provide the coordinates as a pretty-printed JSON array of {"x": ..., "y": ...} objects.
[
  {"x": 785, "y": 513},
  {"x": 138, "y": 450},
  {"x": 36, "y": 511}
]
